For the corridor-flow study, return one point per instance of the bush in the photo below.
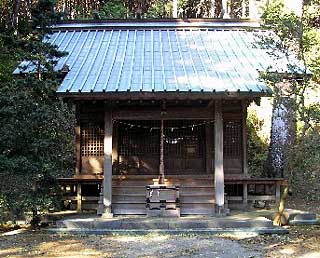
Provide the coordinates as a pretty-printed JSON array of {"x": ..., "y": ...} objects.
[{"x": 257, "y": 145}]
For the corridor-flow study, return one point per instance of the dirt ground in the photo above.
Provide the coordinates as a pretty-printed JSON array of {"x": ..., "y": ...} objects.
[
  {"x": 301, "y": 242},
  {"x": 38, "y": 244}
]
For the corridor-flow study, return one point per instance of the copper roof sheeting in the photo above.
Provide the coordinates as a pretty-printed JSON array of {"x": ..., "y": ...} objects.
[{"x": 173, "y": 59}]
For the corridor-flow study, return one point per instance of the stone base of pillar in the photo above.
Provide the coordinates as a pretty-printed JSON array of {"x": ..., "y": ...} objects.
[
  {"x": 103, "y": 211},
  {"x": 222, "y": 210},
  {"x": 107, "y": 214}
]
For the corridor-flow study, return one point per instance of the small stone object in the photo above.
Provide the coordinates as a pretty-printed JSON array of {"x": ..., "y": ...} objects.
[{"x": 259, "y": 204}]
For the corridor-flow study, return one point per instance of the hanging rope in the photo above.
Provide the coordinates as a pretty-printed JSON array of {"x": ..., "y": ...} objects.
[{"x": 173, "y": 128}]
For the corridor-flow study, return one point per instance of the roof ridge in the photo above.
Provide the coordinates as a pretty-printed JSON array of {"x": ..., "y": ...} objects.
[{"x": 157, "y": 24}]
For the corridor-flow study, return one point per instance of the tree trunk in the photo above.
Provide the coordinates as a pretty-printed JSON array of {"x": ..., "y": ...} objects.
[
  {"x": 15, "y": 17},
  {"x": 282, "y": 136},
  {"x": 280, "y": 219}
]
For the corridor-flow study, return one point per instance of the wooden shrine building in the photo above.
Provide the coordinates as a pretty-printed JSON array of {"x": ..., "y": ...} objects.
[{"x": 162, "y": 100}]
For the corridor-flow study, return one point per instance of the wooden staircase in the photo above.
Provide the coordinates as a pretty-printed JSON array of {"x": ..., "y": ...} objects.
[{"x": 196, "y": 194}]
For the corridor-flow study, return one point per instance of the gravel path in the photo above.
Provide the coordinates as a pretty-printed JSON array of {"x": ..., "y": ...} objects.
[{"x": 35, "y": 244}]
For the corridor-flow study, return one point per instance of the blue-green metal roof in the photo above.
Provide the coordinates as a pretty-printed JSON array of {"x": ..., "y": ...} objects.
[{"x": 165, "y": 57}]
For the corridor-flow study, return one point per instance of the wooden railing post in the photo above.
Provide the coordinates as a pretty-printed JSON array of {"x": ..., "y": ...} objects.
[{"x": 79, "y": 198}]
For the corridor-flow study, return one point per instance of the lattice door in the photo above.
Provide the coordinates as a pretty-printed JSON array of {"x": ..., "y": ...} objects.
[
  {"x": 92, "y": 135},
  {"x": 232, "y": 146}
]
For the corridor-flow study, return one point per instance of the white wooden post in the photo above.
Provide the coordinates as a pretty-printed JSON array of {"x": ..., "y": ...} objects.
[
  {"x": 218, "y": 158},
  {"x": 107, "y": 167}
]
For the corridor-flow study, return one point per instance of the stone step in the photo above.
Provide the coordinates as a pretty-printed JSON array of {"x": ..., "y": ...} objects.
[
  {"x": 119, "y": 223},
  {"x": 205, "y": 231},
  {"x": 297, "y": 217}
]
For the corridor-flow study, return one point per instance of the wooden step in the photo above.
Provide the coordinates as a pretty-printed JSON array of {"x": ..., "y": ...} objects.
[
  {"x": 191, "y": 199},
  {"x": 196, "y": 195},
  {"x": 197, "y": 208},
  {"x": 191, "y": 211},
  {"x": 129, "y": 209},
  {"x": 129, "y": 190},
  {"x": 128, "y": 199}
]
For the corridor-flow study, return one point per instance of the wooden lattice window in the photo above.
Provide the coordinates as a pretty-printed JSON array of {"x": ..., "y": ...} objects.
[
  {"x": 138, "y": 138},
  {"x": 232, "y": 138},
  {"x": 184, "y": 138},
  {"x": 92, "y": 135}
]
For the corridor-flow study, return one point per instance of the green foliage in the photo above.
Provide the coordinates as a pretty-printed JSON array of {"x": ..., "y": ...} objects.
[
  {"x": 115, "y": 9},
  {"x": 299, "y": 36},
  {"x": 305, "y": 170},
  {"x": 197, "y": 8},
  {"x": 159, "y": 9},
  {"x": 236, "y": 10},
  {"x": 257, "y": 145},
  {"x": 36, "y": 127}
]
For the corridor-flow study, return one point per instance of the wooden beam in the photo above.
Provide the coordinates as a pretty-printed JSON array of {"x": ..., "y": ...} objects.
[
  {"x": 162, "y": 95},
  {"x": 107, "y": 166},
  {"x": 77, "y": 140},
  {"x": 218, "y": 157},
  {"x": 155, "y": 113}
]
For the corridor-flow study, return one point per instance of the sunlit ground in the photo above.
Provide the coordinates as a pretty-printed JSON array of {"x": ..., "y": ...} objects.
[
  {"x": 38, "y": 244},
  {"x": 302, "y": 242}
]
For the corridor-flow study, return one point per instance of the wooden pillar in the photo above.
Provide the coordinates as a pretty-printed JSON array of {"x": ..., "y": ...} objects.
[
  {"x": 208, "y": 148},
  {"x": 161, "y": 166},
  {"x": 278, "y": 192},
  {"x": 245, "y": 194},
  {"x": 244, "y": 142},
  {"x": 115, "y": 157},
  {"x": 218, "y": 157},
  {"x": 79, "y": 198},
  {"x": 107, "y": 166},
  {"x": 77, "y": 141}
]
